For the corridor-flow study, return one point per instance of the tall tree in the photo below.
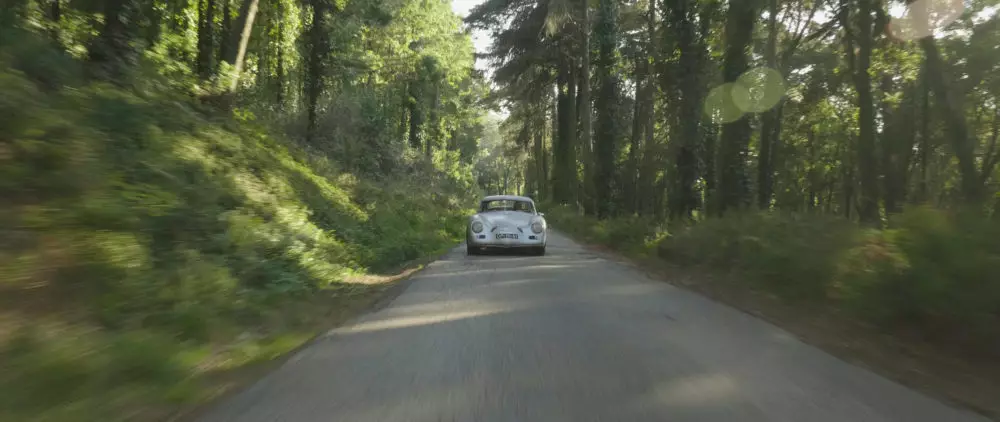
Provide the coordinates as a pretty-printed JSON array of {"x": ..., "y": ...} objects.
[
  {"x": 733, "y": 185},
  {"x": 564, "y": 157},
  {"x": 954, "y": 118},
  {"x": 586, "y": 111},
  {"x": 771, "y": 119},
  {"x": 605, "y": 141},
  {"x": 316, "y": 68},
  {"x": 687, "y": 122},
  {"x": 206, "y": 38},
  {"x": 112, "y": 52},
  {"x": 239, "y": 38},
  {"x": 646, "y": 158},
  {"x": 858, "y": 41}
]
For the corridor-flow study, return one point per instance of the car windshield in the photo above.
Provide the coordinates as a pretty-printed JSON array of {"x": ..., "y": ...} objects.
[{"x": 507, "y": 205}]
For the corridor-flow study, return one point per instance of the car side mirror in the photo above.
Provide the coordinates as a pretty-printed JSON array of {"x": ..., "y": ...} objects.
[{"x": 541, "y": 214}]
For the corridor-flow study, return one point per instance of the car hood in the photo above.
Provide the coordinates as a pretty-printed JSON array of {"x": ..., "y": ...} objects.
[{"x": 513, "y": 218}]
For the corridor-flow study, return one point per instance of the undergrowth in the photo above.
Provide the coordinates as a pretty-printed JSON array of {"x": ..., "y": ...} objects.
[
  {"x": 141, "y": 236},
  {"x": 930, "y": 274}
]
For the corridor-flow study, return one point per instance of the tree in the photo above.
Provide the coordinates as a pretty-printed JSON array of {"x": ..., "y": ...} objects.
[
  {"x": 318, "y": 49},
  {"x": 239, "y": 39},
  {"x": 734, "y": 189},
  {"x": 586, "y": 111},
  {"x": 684, "y": 198},
  {"x": 859, "y": 63},
  {"x": 605, "y": 142},
  {"x": 112, "y": 52},
  {"x": 206, "y": 38}
]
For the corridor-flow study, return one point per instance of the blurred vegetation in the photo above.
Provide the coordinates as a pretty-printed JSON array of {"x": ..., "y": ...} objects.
[
  {"x": 929, "y": 274},
  {"x": 157, "y": 230}
]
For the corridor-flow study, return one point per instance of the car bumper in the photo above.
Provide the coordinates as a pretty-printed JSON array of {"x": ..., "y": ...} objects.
[{"x": 489, "y": 240}]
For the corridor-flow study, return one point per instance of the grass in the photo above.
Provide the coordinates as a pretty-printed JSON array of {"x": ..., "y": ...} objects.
[{"x": 148, "y": 246}]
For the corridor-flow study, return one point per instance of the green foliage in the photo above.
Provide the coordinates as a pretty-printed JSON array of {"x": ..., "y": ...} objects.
[
  {"x": 170, "y": 229},
  {"x": 633, "y": 235},
  {"x": 932, "y": 270},
  {"x": 55, "y": 375},
  {"x": 792, "y": 255}
]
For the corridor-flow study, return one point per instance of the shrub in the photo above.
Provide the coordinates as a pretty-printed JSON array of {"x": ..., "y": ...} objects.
[
  {"x": 631, "y": 233},
  {"x": 792, "y": 255},
  {"x": 933, "y": 271}
]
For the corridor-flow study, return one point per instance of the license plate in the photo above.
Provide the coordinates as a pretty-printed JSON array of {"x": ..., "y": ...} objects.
[{"x": 506, "y": 236}]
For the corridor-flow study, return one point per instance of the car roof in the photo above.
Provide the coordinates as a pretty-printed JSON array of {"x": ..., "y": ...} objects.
[{"x": 507, "y": 197}]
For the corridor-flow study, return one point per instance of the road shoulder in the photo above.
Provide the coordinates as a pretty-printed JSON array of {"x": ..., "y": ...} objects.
[{"x": 339, "y": 312}]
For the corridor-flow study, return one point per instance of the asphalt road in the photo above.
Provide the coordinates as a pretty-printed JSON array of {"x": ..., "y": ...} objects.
[{"x": 566, "y": 337}]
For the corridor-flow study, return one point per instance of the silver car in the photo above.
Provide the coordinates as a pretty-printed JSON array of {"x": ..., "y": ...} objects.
[{"x": 505, "y": 222}]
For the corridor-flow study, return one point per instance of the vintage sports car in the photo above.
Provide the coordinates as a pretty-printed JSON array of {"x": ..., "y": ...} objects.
[{"x": 506, "y": 221}]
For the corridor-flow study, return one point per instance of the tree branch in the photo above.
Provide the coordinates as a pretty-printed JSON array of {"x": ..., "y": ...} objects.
[{"x": 801, "y": 38}]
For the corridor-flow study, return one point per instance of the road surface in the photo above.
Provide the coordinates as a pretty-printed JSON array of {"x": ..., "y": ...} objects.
[{"x": 566, "y": 337}]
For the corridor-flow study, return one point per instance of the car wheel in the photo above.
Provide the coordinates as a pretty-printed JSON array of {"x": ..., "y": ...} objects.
[
  {"x": 540, "y": 251},
  {"x": 471, "y": 250}
]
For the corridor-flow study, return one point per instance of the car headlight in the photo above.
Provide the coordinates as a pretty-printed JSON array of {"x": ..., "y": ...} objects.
[
  {"x": 477, "y": 226},
  {"x": 536, "y": 227}
]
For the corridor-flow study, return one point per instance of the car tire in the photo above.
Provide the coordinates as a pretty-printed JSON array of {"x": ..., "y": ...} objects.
[
  {"x": 540, "y": 251},
  {"x": 471, "y": 250}
]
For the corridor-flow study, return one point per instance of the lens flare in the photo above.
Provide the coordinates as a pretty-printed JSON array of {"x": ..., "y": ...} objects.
[
  {"x": 719, "y": 105},
  {"x": 761, "y": 89},
  {"x": 922, "y": 18}
]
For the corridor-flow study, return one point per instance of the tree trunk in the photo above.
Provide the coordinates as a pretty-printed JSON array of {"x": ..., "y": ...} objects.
[
  {"x": 898, "y": 140},
  {"x": 688, "y": 123},
  {"x": 415, "y": 123},
  {"x": 559, "y": 136},
  {"x": 605, "y": 142},
  {"x": 227, "y": 25},
  {"x": 765, "y": 168},
  {"x": 733, "y": 188},
  {"x": 280, "y": 65},
  {"x": 55, "y": 15},
  {"x": 710, "y": 137},
  {"x": 434, "y": 137},
  {"x": 925, "y": 124},
  {"x": 404, "y": 113},
  {"x": 239, "y": 38},
  {"x": 646, "y": 166},
  {"x": 111, "y": 52},
  {"x": 859, "y": 65},
  {"x": 848, "y": 191},
  {"x": 630, "y": 188},
  {"x": 538, "y": 176},
  {"x": 958, "y": 128},
  {"x": 572, "y": 119},
  {"x": 812, "y": 177},
  {"x": 317, "y": 52},
  {"x": 887, "y": 141},
  {"x": 206, "y": 38},
  {"x": 549, "y": 156},
  {"x": 950, "y": 102},
  {"x": 564, "y": 173},
  {"x": 585, "y": 110}
]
